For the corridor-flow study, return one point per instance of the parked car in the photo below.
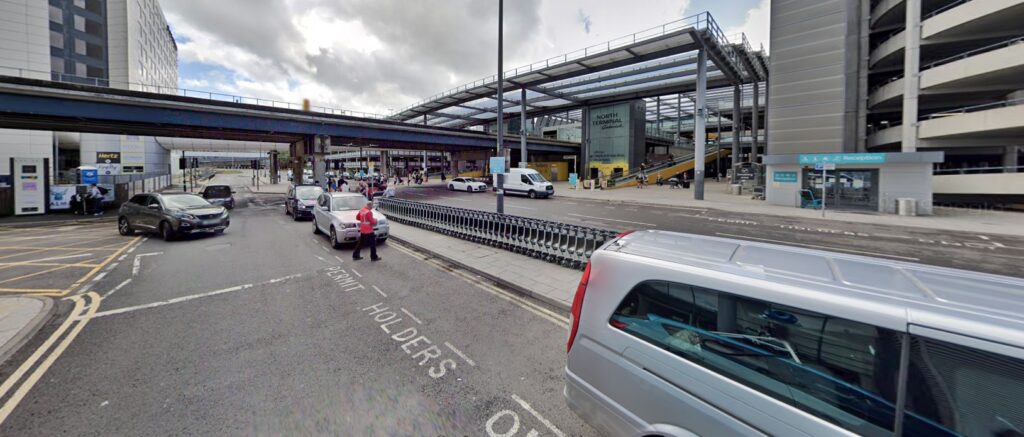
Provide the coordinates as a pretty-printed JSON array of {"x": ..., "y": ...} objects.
[
  {"x": 527, "y": 181},
  {"x": 335, "y": 215},
  {"x": 219, "y": 195},
  {"x": 300, "y": 200},
  {"x": 467, "y": 184},
  {"x": 171, "y": 215},
  {"x": 678, "y": 334}
]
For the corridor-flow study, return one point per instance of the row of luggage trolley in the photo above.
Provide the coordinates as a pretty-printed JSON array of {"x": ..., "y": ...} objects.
[{"x": 560, "y": 243}]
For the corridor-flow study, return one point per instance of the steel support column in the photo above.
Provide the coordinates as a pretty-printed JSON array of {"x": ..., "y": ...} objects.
[
  {"x": 699, "y": 114},
  {"x": 657, "y": 113},
  {"x": 755, "y": 124},
  {"x": 679, "y": 116},
  {"x": 911, "y": 77},
  {"x": 500, "y": 184},
  {"x": 522, "y": 129},
  {"x": 737, "y": 123}
]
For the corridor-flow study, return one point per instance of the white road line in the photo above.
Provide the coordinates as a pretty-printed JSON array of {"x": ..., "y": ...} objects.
[
  {"x": 815, "y": 246},
  {"x": 189, "y": 297},
  {"x": 460, "y": 354},
  {"x": 112, "y": 266},
  {"x": 357, "y": 273},
  {"x": 521, "y": 207},
  {"x": 137, "y": 264},
  {"x": 85, "y": 288},
  {"x": 546, "y": 423},
  {"x": 320, "y": 258},
  {"x": 122, "y": 284},
  {"x": 325, "y": 248},
  {"x": 122, "y": 257},
  {"x": 612, "y": 220},
  {"x": 378, "y": 291},
  {"x": 984, "y": 237},
  {"x": 99, "y": 277},
  {"x": 54, "y": 258},
  {"x": 410, "y": 315},
  {"x": 339, "y": 259}
]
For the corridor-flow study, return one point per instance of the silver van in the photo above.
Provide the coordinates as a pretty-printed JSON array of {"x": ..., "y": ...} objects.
[{"x": 680, "y": 335}]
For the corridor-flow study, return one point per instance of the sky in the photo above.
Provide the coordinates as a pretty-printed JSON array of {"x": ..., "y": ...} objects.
[{"x": 384, "y": 55}]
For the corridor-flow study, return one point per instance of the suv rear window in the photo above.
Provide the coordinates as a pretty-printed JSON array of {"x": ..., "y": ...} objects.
[
  {"x": 218, "y": 192},
  {"x": 842, "y": 371}
]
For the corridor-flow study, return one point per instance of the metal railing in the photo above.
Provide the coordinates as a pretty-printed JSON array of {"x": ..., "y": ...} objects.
[
  {"x": 661, "y": 165},
  {"x": 702, "y": 21},
  {"x": 976, "y": 51},
  {"x": 181, "y": 92},
  {"x": 943, "y": 9},
  {"x": 560, "y": 243},
  {"x": 975, "y": 108},
  {"x": 978, "y": 170}
]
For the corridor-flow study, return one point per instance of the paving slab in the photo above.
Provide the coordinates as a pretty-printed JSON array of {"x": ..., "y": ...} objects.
[{"x": 20, "y": 318}]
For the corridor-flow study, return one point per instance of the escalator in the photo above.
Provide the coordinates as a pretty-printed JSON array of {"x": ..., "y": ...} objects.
[{"x": 667, "y": 169}]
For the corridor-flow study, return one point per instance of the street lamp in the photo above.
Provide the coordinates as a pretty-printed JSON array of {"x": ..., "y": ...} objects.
[{"x": 500, "y": 184}]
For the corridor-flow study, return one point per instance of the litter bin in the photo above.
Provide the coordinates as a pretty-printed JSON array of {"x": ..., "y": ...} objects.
[
  {"x": 736, "y": 189},
  {"x": 686, "y": 184},
  {"x": 906, "y": 206}
]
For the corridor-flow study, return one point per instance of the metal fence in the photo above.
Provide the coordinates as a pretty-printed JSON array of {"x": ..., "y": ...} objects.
[{"x": 564, "y": 244}]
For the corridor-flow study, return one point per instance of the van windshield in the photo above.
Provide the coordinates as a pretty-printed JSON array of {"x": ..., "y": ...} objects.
[{"x": 536, "y": 177}]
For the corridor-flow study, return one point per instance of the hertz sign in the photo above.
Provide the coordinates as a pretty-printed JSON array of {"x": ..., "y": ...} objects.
[{"x": 108, "y": 157}]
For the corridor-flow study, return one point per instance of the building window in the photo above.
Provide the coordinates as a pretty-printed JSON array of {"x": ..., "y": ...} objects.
[
  {"x": 93, "y": 28},
  {"x": 79, "y": 23},
  {"x": 56, "y": 15},
  {"x": 79, "y": 47},
  {"x": 94, "y": 51},
  {"x": 80, "y": 69},
  {"x": 839, "y": 370},
  {"x": 94, "y": 6},
  {"x": 56, "y": 40},
  {"x": 96, "y": 72},
  {"x": 57, "y": 65},
  {"x": 80, "y": 3}
]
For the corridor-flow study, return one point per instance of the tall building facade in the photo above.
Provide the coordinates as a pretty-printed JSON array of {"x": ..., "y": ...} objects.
[
  {"x": 906, "y": 79},
  {"x": 117, "y": 43}
]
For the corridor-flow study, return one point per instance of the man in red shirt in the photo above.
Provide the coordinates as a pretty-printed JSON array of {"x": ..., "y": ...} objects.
[{"x": 366, "y": 235}]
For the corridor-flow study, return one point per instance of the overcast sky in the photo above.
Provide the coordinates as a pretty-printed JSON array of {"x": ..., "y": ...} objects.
[{"x": 382, "y": 55}]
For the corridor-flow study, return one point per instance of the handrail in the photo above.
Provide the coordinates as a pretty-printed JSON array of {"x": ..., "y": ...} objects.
[
  {"x": 693, "y": 21},
  {"x": 976, "y": 51},
  {"x": 944, "y": 9},
  {"x": 181, "y": 92},
  {"x": 631, "y": 174},
  {"x": 972, "y": 169},
  {"x": 975, "y": 108}
]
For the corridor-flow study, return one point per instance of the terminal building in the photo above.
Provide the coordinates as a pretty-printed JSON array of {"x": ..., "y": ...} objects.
[
  {"x": 111, "y": 43},
  {"x": 917, "y": 99}
]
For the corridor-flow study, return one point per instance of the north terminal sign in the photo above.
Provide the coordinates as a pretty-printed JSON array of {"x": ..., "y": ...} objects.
[{"x": 842, "y": 158}]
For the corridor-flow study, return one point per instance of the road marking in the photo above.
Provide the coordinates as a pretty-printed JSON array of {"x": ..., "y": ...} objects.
[
  {"x": 546, "y": 423},
  {"x": 414, "y": 318},
  {"x": 36, "y": 375},
  {"x": 357, "y": 273},
  {"x": 36, "y": 273},
  {"x": 137, "y": 264},
  {"x": 460, "y": 354},
  {"x": 984, "y": 237},
  {"x": 612, "y": 220},
  {"x": 55, "y": 258},
  {"x": 99, "y": 277},
  {"x": 378, "y": 290},
  {"x": 325, "y": 249},
  {"x": 84, "y": 278},
  {"x": 320, "y": 258},
  {"x": 521, "y": 207},
  {"x": 339, "y": 259},
  {"x": 122, "y": 284},
  {"x": 549, "y": 315},
  {"x": 111, "y": 267},
  {"x": 815, "y": 246},
  {"x": 190, "y": 297}
]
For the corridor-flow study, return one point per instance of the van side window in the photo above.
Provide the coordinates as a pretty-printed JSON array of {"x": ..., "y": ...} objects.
[
  {"x": 967, "y": 391},
  {"x": 525, "y": 179},
  {"x": 841, "y": 371}
]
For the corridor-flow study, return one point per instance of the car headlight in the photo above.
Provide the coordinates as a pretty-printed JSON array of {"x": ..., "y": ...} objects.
[
  {"x": 350, "y": 225},
  {"x": 382, "y": 221},
  {"x": 184, "y": 216}
]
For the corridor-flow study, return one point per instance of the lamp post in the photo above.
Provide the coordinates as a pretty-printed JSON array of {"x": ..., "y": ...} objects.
[{"x": 501, "y": 103}]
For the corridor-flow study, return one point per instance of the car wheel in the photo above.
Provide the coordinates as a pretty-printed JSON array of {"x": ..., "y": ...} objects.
[
  {"x": 469, "y": 189},
  {"x": 124, "y": 228},
  {"x": 316, "y": 230},
  {"x": 295, "y": 216},
  {"x": 451, "y": 187},
  {"x": 167, "y": 231},
  {"x": 532, "y": 194},
  {"x": 334, "y": 239}
]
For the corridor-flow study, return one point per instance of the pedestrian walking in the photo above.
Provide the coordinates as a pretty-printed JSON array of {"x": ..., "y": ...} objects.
[
  {"x": 659, "y": 180},
  {"x": 97, "y": 198},
  {"x": 366, "y": 235}
]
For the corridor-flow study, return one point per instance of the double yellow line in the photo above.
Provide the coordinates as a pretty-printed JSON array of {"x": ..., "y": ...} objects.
[{"x": 28, "y": 374}]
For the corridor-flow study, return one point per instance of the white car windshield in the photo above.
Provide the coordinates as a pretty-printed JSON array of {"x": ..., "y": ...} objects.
[
  {"x": 348, "y": 203},
  {"x": 536, "y": 177}
]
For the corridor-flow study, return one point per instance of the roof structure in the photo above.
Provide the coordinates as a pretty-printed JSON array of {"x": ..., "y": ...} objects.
[{"x": 654, "y": 62}]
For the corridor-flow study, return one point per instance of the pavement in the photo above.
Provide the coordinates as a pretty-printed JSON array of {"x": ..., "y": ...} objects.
[
  {"x": 20, "y": 318},
  {"x": 546, "y": 282},
  {"x": 717, "y": 197},
  {"x": 266, "y": 329}
]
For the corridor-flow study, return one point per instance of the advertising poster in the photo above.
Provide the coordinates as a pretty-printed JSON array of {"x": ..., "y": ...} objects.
[
  {"x": 60, "y": 196},
  {"x": 108, "y": 163},
  {"x": 609, "y": 138}
]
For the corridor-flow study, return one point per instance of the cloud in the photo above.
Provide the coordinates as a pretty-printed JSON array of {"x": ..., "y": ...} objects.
[
  {"x": 383, "y": 55},
  {"x": 757, "y": 25},
  {"x": 584, "y": 20}
]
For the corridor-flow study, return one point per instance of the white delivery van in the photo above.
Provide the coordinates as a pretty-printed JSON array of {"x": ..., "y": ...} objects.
[{"x": 529, "y": 182}]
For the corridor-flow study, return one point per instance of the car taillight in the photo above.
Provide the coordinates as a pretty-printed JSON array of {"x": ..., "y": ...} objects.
[{"x": 577, "y": 305}]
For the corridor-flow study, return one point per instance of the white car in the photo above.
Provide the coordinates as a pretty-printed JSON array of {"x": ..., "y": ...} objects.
[
  {"x": 335, "y": 215},
  {"x": 467, "y": 184}
]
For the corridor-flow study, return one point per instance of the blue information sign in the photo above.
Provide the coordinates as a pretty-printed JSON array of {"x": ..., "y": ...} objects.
[
  {"x": 784, "y": 176},
  {"x": 843, "y": 158},
  {"x": 90, "y": 176},
  {"x": 497, "y": 165},
  {"x": 573, "y": 179}
]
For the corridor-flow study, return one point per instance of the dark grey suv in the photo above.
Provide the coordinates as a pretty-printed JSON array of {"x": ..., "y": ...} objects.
[{"x": 171, "y": 215}]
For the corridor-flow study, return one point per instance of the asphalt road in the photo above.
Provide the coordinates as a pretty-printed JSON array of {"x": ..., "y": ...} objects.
[
  {"x": 266, "y": 330},
  {"x": 1000, "y": 254}
]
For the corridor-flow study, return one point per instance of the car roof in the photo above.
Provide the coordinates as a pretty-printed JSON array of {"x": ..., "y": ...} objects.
[
  {"x": 342, "y": 194},
  {"x": 929, "y": 291},
  {"x": 218, "y": 185}
]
